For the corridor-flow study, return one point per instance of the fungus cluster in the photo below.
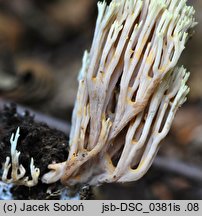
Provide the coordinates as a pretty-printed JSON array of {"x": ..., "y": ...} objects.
[
  {"x": 16, "y": 170},
  {"x": 129, "y": 91}
]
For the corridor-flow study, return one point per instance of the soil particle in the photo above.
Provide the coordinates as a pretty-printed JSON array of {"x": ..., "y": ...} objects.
[{"x": 36, "y": 140}]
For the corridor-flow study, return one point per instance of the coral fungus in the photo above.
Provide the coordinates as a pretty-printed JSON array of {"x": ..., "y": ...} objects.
[{"x": 129, "y": 91}]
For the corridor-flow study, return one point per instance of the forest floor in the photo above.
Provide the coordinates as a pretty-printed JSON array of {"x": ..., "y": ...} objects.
[{"x": 41, "y": 47}]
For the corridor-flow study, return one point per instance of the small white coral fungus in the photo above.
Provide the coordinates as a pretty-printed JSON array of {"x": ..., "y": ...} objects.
[{"x": 129, "y": 91}]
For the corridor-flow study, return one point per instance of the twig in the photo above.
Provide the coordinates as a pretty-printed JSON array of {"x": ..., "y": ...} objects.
[
  {"x": 174, "y": 166},
  {"x": 40, "y": 117}
]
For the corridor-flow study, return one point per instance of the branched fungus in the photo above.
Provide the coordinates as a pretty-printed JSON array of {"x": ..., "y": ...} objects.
[
  {"x": 129, "y": 91},
  {"x": 17, "y": 170}
]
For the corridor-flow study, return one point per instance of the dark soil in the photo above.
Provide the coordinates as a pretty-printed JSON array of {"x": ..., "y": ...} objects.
[
  {"x": 47, "y": 145},
  {"x": 36, "y": 140}
]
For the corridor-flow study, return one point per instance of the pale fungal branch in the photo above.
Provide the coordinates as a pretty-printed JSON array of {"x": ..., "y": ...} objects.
[
  {"x": 17, "y": 170},
  {"x": 129, "y": 91}
]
